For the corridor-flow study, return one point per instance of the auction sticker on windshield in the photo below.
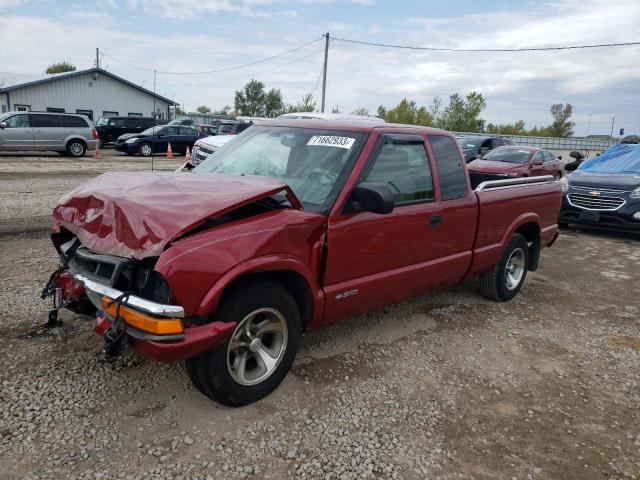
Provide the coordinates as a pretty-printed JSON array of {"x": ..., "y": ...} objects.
[{"x": 331, "y": 141}]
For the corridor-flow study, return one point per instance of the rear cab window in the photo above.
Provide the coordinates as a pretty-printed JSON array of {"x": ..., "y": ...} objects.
[{"x": 453, "y": 180}]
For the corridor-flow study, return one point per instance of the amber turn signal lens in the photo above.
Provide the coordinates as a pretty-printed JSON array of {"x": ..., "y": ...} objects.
[{"x": 157, "y": 326}]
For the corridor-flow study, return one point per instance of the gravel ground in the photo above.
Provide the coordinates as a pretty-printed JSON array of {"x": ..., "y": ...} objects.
[{"x": 448, "y": 385}]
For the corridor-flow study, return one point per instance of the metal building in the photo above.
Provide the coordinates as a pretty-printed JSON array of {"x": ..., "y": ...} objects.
[{"x": 94, "y": 92}]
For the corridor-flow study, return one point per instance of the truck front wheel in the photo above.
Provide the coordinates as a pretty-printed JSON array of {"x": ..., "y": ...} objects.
[
  {"x": 505, "y": 279},
  {"x": 259, "y": 353}
]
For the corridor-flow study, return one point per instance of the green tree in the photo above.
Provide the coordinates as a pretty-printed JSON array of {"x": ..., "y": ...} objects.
[
  {"x": 250, "y": 100},
  {"x": 178, "y": 110},
  {"x": 203, "y": 109},
  {"x": 273, "y": 105},
  {"x": 463, "y": 114},
  {"x": 60, "y": 67},
  {"x": 361, "y": 111},
  {"x": 562, "y": 126},
  {"x": 517, "y": 128},
  {"x": 305, "y": 104},
  {"x": 407, "y": 111}
]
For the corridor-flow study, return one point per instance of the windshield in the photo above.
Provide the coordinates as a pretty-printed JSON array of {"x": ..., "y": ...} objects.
[
  {"x": 509, "y": 155},
  {"x": 312, "y": 162},
  {"x": 102, "y": 121},
  {"x": 470, "y": 142}
]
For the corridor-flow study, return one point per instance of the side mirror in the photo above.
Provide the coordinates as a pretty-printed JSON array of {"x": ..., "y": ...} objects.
[
  {"x": 559, "y": 157},
  {"x": 3, "y": 125},
  {"x": 371, "y": 197}
]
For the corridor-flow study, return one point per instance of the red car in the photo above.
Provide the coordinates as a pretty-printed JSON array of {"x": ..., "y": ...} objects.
[
  {"x": 515, "y": 161},
  {"x": 298, "y": 224}
]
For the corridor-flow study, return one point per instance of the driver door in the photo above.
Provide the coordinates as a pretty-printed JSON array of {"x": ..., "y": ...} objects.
[
  {"x": 373, "y": 259},
  {"x": 18, "y": 134}
]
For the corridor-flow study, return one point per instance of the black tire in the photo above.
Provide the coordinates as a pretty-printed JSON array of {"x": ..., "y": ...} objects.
[
  {"x": 145, "y": 149},
  {"x": 494, "y": 284},
  {"x": 210, "y": 371},
  {"x": 76, "y": 148}
]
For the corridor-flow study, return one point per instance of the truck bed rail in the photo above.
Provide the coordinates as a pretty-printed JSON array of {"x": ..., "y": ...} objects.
[{"x": 510, "y": 182}]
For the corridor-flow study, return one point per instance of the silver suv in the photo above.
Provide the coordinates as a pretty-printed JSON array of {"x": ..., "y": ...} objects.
[{"x": 61, "y": 132}]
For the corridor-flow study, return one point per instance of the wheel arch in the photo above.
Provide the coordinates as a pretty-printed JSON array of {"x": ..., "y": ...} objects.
[
  {"x": 288, "y": 272},
  {"x": 531, "y": 232}
]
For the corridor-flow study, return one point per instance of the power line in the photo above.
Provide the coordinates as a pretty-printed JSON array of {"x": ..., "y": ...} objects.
[
  {"x": 245, "y": 75},
  {"x": 444, "y": 49},
  {"x": 236, "y": 67}
]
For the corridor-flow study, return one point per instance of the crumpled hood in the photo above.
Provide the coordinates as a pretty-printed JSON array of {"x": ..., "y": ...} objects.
[
  {"x": 488, "y": 166},
  {"x": 138, "y": 214}
]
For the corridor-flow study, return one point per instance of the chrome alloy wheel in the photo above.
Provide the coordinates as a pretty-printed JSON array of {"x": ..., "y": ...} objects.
[
  {"x": 257, "y": 346},
  {"x": 145, "y": 149},
  {"x": 76, "y": 149},
  {"x": 514, "y": 269}
]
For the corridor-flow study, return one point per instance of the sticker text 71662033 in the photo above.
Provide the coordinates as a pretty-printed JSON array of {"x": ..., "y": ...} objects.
[{"x": 331, "y": 141}]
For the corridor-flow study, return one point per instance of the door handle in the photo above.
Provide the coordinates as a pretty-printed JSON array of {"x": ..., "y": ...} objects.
[{"x": 435, "y": 220}]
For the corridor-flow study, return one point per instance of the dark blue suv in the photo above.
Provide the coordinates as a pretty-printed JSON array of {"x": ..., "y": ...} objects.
[{"x": 157, "y": 139}]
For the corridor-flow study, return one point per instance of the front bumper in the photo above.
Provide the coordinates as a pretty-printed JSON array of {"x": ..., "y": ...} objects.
[
  {"x": 194, "y": 341},
  {"x": 163, "y": 348},
  {"x": 126, "y": 147},
  {"x": 618, "y": 220}
]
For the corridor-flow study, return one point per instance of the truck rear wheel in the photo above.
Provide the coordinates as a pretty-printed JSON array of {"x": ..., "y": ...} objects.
[
  {"x": 505, "y": 279},
  {"x": 259, "y": 353}
]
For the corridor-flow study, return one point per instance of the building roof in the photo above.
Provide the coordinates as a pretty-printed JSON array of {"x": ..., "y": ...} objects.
[{"x": 83, "y": 72}]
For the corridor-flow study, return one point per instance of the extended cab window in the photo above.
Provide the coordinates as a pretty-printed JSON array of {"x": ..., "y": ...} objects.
[
  {"x": 404, "y": 167},
  {"x": 453, "y": 181}
]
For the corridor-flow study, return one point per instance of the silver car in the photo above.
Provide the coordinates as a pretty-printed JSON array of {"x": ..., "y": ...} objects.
[{"x": 61, "y": 132}]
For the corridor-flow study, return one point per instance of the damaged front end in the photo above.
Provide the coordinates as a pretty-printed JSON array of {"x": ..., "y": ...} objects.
[{"x": 132, "y": 304}]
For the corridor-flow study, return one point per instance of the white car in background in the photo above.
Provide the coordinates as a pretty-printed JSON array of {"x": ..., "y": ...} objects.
[
  {"x": 329, "y": 116},
  {"x": 203, "y": 148}
]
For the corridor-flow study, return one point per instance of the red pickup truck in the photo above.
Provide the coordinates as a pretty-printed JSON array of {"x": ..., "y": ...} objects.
[{"x": 294, "y": 225}]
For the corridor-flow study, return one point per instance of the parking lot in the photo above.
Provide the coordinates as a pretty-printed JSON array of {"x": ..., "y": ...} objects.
[{"x": 449, "y": 385}]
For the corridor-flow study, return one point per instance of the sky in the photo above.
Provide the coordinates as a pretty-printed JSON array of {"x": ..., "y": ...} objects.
[{"x": 187, "y": 36}]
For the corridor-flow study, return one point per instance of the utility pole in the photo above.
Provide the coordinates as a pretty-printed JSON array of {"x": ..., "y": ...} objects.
[
  {"x": 97, "y": 57},
  {"x": 613, "y": 119},
  {"x": 324, "y": 70}
]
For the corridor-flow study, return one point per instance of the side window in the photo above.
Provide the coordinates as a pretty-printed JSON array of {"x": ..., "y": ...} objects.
[
  {"x": 537, "y": 158},
  {"x": 46, "y": 121},
  {"x": 171, "y": 131},
  {"x": 497, "y": 142},
  {"x": 134, "y": 122},
  {"x": 453, "y": 181},
  {"x": 148, "y": 123},
  {"x": 548, "y": 156},
  {"x": 187, "y": 131},
  {"x": 76, "y": 122},
  {"x": 404, "y": 167},
  {"x": 18, "y": 121},
  {"x": 118, "y": 122}
]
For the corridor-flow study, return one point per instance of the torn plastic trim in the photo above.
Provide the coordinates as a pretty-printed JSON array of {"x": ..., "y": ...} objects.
[{"x": 132, "y": 301}]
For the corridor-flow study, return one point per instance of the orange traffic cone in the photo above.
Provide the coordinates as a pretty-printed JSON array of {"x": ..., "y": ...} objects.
[
  {"x": 96, "y": 154},
  {"x": 169, "y": 151},
  {"x": 187, "y": 156}
]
